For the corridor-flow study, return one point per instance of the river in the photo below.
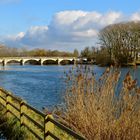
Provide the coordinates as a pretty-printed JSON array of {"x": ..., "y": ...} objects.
[{"x": 43, "y": 86}]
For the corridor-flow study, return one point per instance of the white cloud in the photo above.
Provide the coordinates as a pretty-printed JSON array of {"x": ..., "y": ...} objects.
[
  {"x": 68, "y": 30},
  {"x": 135, "y": 16},
  {"x": 20, "y": 35}
]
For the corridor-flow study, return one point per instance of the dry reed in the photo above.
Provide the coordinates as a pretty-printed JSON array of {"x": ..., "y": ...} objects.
[{"x": 95, "y": 109}]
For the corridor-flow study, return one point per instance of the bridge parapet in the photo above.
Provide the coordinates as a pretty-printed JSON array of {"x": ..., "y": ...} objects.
[{"x": 23, "y": 60}]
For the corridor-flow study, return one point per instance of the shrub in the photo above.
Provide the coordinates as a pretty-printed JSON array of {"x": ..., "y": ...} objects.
[{"x": 95, "y": 109}]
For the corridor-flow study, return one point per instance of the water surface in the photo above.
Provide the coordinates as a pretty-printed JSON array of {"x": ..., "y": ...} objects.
[{"x": 43, "y": 86}]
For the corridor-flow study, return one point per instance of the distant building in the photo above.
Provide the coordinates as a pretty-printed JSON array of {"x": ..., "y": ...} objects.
[{"x": 81, "y": 58}]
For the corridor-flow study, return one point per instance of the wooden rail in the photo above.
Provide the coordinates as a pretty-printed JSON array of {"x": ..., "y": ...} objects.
[{"x": 40, "y": 126}]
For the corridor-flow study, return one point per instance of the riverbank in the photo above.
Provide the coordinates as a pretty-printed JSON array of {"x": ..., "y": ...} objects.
[{"x": 21, "y": 121}]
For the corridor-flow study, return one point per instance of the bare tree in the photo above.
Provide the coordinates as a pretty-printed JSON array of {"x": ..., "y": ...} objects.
[{"x": 122, "y": 41}]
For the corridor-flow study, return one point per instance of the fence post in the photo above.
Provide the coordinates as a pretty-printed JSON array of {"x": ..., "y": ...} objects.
[
  {"x": 8, "y": 100},
  {"x": 48, "y": 127},
  {"x": 1, "y": 100},
  {"x": 23, "y": 109},
  {"x": 0, "y": 95}
]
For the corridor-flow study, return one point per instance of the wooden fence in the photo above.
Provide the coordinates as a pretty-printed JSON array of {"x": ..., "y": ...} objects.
[{"x": 41, "y": 126}]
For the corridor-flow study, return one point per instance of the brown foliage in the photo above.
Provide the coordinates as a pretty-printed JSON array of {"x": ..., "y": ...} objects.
[{"x": 94, "y": 108}]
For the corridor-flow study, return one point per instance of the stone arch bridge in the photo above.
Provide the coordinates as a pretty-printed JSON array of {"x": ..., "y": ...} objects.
[{"x": 41, "y": 60}]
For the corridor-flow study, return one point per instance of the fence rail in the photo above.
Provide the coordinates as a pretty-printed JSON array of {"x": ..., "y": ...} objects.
[{"x": 41, "y": 126}]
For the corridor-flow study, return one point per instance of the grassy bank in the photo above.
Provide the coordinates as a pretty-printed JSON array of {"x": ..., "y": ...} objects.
[{"x": 10, "y": 126}]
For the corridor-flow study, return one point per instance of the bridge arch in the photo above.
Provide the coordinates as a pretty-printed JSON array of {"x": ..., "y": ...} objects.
[
  {"x": 66, "y": 61},
  {"x": 31, "y": 61},
  {"x": 12, "y": 61},
  {"x": 50, "y": 62}
]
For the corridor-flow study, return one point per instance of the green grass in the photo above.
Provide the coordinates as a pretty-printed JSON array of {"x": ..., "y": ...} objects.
[{"x": 10, "y": 126}]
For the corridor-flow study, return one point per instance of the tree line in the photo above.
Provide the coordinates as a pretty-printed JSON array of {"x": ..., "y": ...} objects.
[
  {"x": 23, "y": 52},
  {"x": 122, "y": 42},
  {"x": 119, "y": 45}
]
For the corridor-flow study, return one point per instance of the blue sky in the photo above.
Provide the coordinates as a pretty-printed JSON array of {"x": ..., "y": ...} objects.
[{"x": 24, "y": 21}]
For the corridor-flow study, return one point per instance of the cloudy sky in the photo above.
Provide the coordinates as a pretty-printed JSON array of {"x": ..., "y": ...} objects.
[{"x": 61, "y": 24}]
